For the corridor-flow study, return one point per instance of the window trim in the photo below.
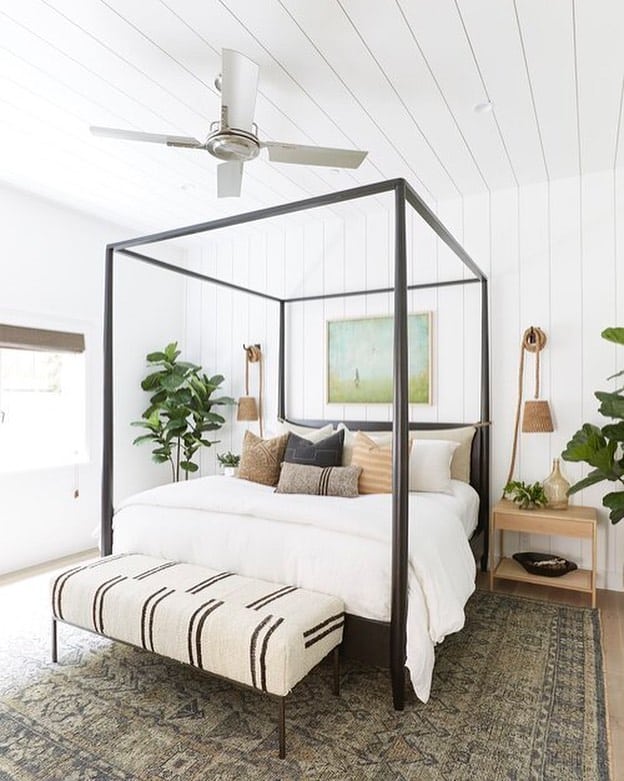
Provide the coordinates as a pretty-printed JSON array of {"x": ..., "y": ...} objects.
[{"x": 20, "y": 338}]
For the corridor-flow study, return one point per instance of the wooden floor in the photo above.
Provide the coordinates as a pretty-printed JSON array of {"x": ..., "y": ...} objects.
[{"x": 611, "y": 605}]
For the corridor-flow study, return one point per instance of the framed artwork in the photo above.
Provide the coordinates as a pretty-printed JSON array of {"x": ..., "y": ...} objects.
[{"x": 360, "y": 360}]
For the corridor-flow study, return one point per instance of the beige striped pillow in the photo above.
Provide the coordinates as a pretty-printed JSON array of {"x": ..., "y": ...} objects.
[{"x": 376, "y": 464}]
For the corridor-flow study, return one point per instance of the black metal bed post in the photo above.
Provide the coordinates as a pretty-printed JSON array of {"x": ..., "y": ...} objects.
[
  {"x": 281, "y": 372},
  {"x": 400, "y": 486},
  {"x": 484, "y": 432},
  {"x": 106, "y": 528}
]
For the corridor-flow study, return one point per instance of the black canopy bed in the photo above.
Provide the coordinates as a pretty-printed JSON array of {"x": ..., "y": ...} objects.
[{"x": 376, "y": 641}]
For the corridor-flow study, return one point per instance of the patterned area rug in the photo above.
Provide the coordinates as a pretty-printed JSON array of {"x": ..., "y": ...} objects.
[{"x": 518, "y": 694}]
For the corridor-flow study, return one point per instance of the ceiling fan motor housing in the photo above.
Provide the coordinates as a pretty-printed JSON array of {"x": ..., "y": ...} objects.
[{"x": 232, "y": 144}]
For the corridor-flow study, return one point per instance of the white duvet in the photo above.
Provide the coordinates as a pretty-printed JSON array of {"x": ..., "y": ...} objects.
[{"x": 329, "y": 544}]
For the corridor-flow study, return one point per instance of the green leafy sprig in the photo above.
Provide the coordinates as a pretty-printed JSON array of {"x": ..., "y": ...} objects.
[
  {"x": 526, "y": 495},
  {"x": 228, "y": 459}
]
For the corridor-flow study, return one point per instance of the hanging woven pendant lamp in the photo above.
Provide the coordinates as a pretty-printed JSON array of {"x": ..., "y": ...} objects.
[
  {"x": 248, "y": 408},
  {"x": 537, "y": 417}
]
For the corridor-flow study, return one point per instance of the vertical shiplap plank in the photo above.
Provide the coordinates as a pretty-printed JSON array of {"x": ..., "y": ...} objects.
[
  {"x": 505, "y": 333},
  {"x": 208, "y": 326},
  {"x": 422, "y": 268},
  {"x": 450, "y": 320},
  {"x": 192, "y": 348},
  {"x": 333, "y": 308},
  {"x": 224, "y": 343},
  {"x": 476, "y": 241},
  {"x": 379, "y": 274},
  {"x": 274, "y": 264},
  {"x": 313, "y": 343},
  {"x": 599, "y": 312},
  {"x": 355, "y": 248},
  {"x": 295, "y": 350},
  {"x": 534, "y": 297},
  {"x": 256, "y": 318},
  {"x": 566, "y": 332}
]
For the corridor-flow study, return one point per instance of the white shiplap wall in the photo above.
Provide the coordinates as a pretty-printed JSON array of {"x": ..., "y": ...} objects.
[
  {"x": 335, "y": 254},
  {"x": 555, "y": 256},
  {"x": 557, "y": 261}
]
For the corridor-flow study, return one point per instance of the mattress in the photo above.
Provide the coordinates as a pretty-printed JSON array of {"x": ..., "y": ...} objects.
[{"x": 330, "y": 544}]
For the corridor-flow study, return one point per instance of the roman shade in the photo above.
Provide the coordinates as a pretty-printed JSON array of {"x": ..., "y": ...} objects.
[{"x": 41, "y": 339}]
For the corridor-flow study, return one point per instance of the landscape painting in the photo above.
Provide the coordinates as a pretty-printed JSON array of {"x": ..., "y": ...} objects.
[{"x": 360, "y": 360}]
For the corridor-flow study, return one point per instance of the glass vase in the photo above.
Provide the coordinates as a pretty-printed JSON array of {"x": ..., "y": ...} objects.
[{"x": 556, "y": 488}]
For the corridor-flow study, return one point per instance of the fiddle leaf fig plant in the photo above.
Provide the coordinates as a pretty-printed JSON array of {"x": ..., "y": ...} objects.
[
  {"x": 180, "y": 411},
  {"x": 603, "y": 448}
]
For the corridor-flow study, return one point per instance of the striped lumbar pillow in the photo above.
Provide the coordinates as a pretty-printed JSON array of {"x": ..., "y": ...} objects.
[
  {"x": 376, "y": 464},
  {"x": 321, "y": 481}
]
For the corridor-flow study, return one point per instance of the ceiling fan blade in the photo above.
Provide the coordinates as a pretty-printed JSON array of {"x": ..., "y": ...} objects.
[
  {"x": 239, "y": 86},
  {"x": 314, "y": 155},
  {"x": 154, "y": 138},
  {"x": 229, "y": 178}
]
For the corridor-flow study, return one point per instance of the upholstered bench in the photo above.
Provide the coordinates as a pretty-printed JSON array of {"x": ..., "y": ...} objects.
[{"x": 263, "y": 635}]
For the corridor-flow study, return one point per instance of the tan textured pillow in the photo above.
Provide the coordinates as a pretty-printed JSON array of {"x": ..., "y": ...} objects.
[
  {"x": 460, "y": 463},
  {"x": 376, "y": 464},
  {"x": 261, "y": 458}
]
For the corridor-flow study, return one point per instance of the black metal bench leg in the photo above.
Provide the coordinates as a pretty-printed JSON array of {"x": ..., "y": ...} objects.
[
  {"x": 54, "y": 645},
  {"x": 282, "y": 727},
  {"x": 337, "y": 671}
]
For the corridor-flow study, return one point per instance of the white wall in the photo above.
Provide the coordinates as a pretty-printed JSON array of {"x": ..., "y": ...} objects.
[
  {"x": 51, "y": 276},
  {"x": 555, "y": 256},
  {"x": 556, "y": 252},
  {"x": 332, "y": 254}
]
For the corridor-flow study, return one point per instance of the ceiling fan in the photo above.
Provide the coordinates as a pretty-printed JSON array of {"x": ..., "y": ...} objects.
[{"x": 234, "y": 139}]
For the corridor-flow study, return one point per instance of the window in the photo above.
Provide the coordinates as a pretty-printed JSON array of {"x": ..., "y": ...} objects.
[{"x": 42, "y": 398}]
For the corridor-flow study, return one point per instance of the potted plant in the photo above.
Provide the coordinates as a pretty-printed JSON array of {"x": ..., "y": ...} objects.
[
  {"x": 603, "y": 448},
  {"x": 180, "y": 411},
  {"x": 229, "y": 463},
  {"x": 527, "y": 496}
]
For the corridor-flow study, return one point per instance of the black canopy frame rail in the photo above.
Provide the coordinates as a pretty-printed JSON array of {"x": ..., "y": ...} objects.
[{"x": 400, "y": 424}]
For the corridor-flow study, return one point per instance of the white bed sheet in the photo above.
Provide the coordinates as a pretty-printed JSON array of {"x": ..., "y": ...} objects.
[{"x": 329, "y": 544}]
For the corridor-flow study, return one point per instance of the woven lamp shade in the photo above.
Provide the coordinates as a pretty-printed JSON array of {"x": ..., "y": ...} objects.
[
  {"x": 247, "y": 408},
  {"x": 537, "y": 418}
]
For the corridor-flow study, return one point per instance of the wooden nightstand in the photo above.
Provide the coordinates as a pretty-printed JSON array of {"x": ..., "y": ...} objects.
[{"x": 580, "y": 522}]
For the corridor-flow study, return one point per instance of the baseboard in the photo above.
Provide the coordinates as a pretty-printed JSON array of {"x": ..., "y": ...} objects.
[{"x": 47, "y": 566}]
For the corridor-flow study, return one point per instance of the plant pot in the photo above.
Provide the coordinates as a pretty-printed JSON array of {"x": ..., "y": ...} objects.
[{"x": 230, "y": 471}]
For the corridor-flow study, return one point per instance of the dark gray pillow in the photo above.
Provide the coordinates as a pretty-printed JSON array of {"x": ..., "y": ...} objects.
[
  {"x": 327, "y": 452},
  {"x": 319, "y": 481}
]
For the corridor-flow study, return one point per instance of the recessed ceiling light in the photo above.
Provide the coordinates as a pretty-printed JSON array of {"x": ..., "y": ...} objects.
[{"x": 484, "y": 108}]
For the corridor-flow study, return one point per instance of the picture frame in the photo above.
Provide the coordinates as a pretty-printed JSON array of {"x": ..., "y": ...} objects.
[{"x": 359, "y": 365}]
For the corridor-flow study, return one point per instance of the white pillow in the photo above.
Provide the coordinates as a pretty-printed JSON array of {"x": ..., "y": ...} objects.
[
  {"x": 311, "y": 434},
  {"x": 460, "y": 465},
  {"x": 430, "y": 465}
]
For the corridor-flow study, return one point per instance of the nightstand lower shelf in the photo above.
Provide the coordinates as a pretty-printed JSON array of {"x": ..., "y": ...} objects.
[{"x": 577, "y": 580}]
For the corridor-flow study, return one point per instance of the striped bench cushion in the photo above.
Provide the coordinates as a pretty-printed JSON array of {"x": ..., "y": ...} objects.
[{"x": 265, "y": 635}]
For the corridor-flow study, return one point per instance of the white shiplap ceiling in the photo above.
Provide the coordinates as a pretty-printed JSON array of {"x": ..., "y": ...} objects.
[{"x": 399, "y": 78}]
